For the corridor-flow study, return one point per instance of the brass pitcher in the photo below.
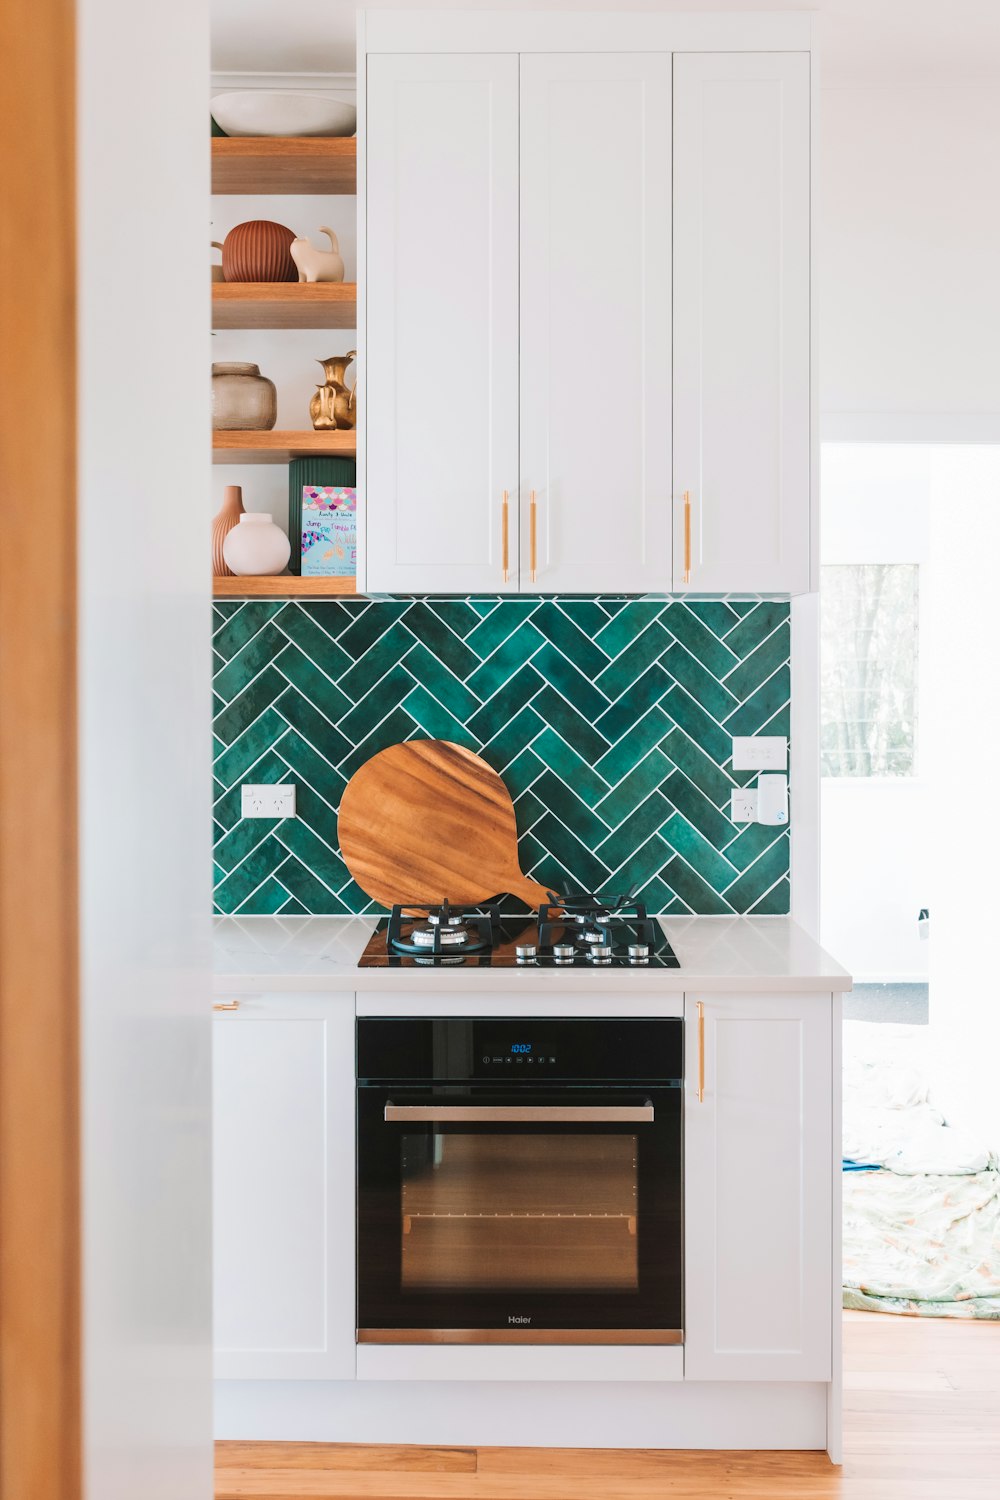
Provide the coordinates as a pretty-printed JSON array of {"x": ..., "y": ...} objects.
[{"x": 334, "y": 403}]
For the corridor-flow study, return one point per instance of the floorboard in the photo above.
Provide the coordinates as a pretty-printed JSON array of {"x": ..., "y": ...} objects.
[{"x": 921, "y": 1422}]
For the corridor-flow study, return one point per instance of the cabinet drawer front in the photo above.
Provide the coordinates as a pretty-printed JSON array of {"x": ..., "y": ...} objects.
[
  {"x": 741, "y": 355},
  {"x": 441, "y": 347}
]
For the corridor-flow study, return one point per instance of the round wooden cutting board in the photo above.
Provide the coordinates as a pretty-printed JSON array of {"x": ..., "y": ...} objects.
[{"x": 427, "y": 821}]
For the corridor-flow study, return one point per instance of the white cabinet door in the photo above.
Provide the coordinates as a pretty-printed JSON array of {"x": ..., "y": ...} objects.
[
  {"x": 759, "y": 1182},
  {"x": 741, "y": 379},
  {"x": 283, "y": 1193},
  {"x": 595, "y": 321},
  {"x": 441, "y": 338}
]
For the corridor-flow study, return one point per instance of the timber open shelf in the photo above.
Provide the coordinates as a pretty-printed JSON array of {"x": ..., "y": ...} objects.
[
  {"x": 289, "y": 164},
  {"x": 284, "y": 304},
  {"x": 284, "y": 586},
  {"x": 277, "y": 447}
]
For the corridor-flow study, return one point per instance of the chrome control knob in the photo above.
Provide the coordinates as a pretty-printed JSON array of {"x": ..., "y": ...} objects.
[
  {"x": 525, "y": 952},
  {"x": 563, "y": 953},
  {"x": 599, "y": 952},
  {"x": 637, "y": 951}
]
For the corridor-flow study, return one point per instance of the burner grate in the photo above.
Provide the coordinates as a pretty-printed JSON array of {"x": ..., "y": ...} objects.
[{"x": 434, "y": 931}]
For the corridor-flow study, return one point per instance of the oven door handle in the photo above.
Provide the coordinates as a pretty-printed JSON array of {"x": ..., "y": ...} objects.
[{"x": 520, "y": 1114}]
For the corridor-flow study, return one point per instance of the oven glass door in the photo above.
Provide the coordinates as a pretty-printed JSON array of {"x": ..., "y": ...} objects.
[{"x": 519, "y": 1217}]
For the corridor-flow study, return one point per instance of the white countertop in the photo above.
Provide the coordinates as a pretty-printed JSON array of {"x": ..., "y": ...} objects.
[{"x": 312, "y": 954}]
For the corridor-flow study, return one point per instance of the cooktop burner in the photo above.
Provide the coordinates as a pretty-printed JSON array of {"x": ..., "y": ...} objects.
[{"x": 579, "y": 931}]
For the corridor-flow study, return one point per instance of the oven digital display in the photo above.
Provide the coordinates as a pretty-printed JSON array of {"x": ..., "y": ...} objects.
[{"x": 520, "y": 1047}]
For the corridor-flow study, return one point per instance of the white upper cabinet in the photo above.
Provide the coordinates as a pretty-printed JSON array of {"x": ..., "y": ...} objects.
[
  {"x": 587, "y": 280},
  {"x": 441, "y": 345},
  {"x": 758, "y": 1173},
  {"x": 595, "y": 321},
  {"x": 741, "y": 353}
]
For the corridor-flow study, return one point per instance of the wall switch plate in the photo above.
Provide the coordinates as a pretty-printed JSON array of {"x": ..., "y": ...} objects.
[
  {"x": 268, "y": 801},
  {"x": 760, "y": 752},
  {"x": 743, "y": 805}
]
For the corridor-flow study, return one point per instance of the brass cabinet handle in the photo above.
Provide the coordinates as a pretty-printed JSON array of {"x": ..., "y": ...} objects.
[
  {"x": 226, "y": 1005},
  {"x": 701, "y": 1053},
  {"x": 530, "y": 1114},
  {"x": 505, "y": 535},
  {"x": 687, "y": 536},
  {"x": 533, "y": 529}
]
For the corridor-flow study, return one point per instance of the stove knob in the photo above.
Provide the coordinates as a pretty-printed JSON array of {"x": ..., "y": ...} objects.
[
  {"x": 600, "y": 953},
  {"x": 637, "y": 951},
  {"x": 564, "y": 951},
  {"x": 525, "y": 952}
]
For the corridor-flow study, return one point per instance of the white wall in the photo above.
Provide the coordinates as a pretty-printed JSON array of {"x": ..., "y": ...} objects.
[
  {"x": 145, "y": 737},
  {"x": 875, "y": 866},
  {"x": 964, "y": 734},
  {"x": 909, "y": 250}
]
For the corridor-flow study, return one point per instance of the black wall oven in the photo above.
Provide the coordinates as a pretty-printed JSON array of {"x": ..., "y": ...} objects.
[{"x": 519, "y": 1181}]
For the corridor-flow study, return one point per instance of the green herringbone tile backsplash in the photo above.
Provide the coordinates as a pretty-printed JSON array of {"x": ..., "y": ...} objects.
[{"x": 610, "y": 720}]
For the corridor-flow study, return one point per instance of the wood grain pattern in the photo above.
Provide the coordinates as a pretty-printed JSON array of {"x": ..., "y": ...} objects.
[
  {"x": 280, "y": 447},
  {"x": 283, "y": 586},
  {"x": 289, "y": 164},
  {"x": 427, "y": 821},
  {"x": 284, "y": 304},
  {"x": 39, "y": 1055},
  {"x": 942, "y": 1443}
]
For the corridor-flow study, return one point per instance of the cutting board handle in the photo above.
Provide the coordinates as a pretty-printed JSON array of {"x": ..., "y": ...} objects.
[{"x": 527, "y": 890}]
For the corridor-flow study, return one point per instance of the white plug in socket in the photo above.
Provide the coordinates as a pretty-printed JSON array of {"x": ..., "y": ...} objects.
[
  {"x": 743, "y": 805},
  {"x": 268, "y": 801},
  {"x": 772, "y": 798}
]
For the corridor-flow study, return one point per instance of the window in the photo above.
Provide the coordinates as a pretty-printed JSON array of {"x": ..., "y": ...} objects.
[{"x": 869, "y": 676}]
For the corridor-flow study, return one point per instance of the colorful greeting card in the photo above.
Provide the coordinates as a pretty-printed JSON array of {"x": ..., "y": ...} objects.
[{"x": 329, "y": 531}]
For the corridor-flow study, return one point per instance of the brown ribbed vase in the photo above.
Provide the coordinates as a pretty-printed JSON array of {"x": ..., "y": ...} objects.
[{"x": 258, "y": 251}]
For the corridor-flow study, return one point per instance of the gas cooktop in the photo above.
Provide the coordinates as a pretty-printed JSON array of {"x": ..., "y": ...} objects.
[{"x": 580, "y": 931}]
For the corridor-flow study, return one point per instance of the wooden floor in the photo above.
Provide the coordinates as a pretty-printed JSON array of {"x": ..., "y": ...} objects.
[{"x": 922, "y": 1422}]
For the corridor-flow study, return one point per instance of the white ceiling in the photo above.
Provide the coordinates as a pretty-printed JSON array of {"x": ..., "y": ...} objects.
[{"x": 863, "y": 41}]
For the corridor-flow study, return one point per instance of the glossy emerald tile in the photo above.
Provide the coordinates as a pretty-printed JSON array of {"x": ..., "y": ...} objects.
[
  {"x": 686, "y": 626},
  {"x": 241, "y": 711},
  {"x": 569, "y": 638},
  {"x": 648, "y": 818},
  {"x": 574, "y": 728},
  {"x": 508, "y": 700},
  {"x": 759, "y": 877},
  {"x": 620, "y": 766},
  {"x": 573, "y": 865},
  {"x": 755, "y": 669},
  {"x": 696, "y": 893},
  {"x": 314, "y": 728}
]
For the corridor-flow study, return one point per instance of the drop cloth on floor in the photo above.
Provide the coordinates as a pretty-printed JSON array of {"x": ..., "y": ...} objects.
[{"x": 922, "y": 1232}]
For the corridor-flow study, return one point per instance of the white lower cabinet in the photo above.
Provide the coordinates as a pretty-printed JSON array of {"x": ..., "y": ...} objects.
[
  {"x": 758, "y": 1172},
  {"x": 283, "y": 1195}
]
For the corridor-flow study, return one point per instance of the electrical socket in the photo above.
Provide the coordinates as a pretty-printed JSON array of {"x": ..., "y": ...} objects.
[
  {"x": 275, "y": 801},
  {"x": 743, "y": 805},
  {"x": 760, "y": 752}
]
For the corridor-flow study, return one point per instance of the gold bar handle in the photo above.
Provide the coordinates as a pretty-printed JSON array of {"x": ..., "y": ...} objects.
[
  {"x": 505, "y": 535},
  {"x": 533, "y": 532},
  {"x": 687, "y": 536},
  {"x": 701, "y": 1053},
  {"x": 226, "y": 1005},
  {"x": 523, "y": 1114}
]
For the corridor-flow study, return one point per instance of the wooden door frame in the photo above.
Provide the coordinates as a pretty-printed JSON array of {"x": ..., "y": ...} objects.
[{"x": 40, "y": 1345}]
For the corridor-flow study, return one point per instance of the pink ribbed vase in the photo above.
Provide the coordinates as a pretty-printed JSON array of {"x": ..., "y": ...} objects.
[{"x": 228, "y": 517}]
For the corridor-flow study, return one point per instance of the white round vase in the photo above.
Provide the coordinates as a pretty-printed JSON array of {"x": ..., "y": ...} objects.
[{"x": 256, "y": 546}]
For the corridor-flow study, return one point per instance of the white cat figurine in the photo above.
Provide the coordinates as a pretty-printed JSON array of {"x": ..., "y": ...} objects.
[{"x": 315, "y": 264}]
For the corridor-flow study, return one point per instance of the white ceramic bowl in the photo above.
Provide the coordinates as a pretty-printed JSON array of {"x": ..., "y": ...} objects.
[{"x": 276, "y": 112}]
